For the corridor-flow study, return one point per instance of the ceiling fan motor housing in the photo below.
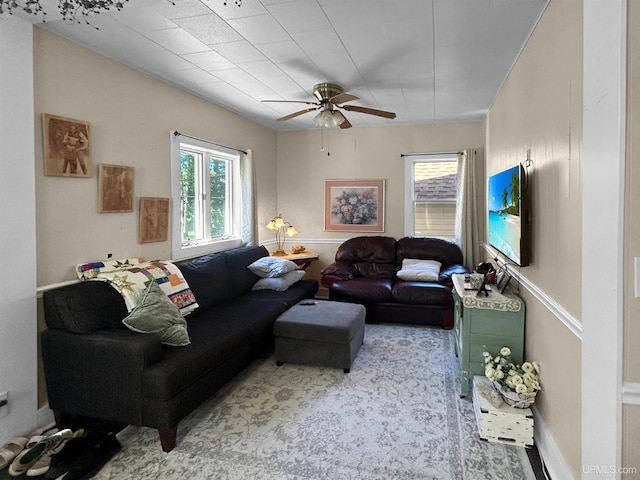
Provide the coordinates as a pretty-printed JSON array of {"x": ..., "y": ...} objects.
[{"x": 324, "y": 91}]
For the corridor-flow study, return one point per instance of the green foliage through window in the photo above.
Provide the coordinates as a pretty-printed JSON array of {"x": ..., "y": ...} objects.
[{"x": 204, "y": 194}]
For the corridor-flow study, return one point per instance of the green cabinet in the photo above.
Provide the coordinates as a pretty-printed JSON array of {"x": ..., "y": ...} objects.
[{"x": 485, "y": 324}]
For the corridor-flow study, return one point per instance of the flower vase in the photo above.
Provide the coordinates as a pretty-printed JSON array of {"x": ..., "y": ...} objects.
[{"x": 513, "y": 399}]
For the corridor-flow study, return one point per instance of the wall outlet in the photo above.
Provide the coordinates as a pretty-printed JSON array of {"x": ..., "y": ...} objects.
[{"x": 4, "y": 405}]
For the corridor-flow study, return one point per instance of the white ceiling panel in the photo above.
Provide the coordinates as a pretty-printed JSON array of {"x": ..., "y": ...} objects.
[
  {"x": 426, "y": 60},
  {"x": 238, "y": 52},
  {"x": 177, "y": 40},
  {"x": 209, "y": 61}
]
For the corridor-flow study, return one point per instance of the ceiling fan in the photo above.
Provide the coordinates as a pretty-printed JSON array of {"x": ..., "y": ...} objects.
[{"x": 330, "y": 99}]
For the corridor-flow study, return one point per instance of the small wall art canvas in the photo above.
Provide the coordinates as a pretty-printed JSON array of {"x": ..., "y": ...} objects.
[
  {"x": 115, "y": 188},
  {"x": 67, "y": 146},
  {"x": 354, "y": 205},
  {"x": 154, "y": 220}
]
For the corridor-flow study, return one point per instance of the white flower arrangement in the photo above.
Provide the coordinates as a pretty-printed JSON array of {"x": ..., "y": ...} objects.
[{"x": 523, "y": 379}]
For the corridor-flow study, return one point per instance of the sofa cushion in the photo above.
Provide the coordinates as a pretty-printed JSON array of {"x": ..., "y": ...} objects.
[
  {"x": 208, "y": 278},
  {"x": 237, "y": 260},
  {"x": 217, "y": 335},
  {"x": 157, "y": 314},
  {"x": 421, "y": 293},
  {"x": 371, "y": 256},
  {"x": 362, "y": 290},
  {"x": 419, "y": 270},
  {"x": 429, "y": 248},
  {"x": 280, "y": 283},
  {"x": 84, "y": 308},
  {"x": 272, "y": 267}
]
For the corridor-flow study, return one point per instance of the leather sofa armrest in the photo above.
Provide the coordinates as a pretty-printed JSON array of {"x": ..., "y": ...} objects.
[
  {"x": 445, "y": 274},
  {"x": 344, "y": 270},
  {"x": 337, "y": 271},
  {"x": 100, "y": 374}
]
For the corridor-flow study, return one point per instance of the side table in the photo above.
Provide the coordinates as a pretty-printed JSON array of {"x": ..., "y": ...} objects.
[
  {"x": 304, "y": 259},
  {"x": 485, "y": 324}
]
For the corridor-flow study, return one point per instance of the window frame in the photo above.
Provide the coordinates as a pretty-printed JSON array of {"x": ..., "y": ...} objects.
[
  {"x": 180, "y": 249},
  {"x": 409, "y": 190}
]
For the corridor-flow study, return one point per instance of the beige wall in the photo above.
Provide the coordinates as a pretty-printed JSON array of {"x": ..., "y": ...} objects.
[
  {"x": 356, "y": 153},
  {"x": 131, "y": 115},
  {"x": 631, "y": 413},
  {"x": 540, "y": 109}
]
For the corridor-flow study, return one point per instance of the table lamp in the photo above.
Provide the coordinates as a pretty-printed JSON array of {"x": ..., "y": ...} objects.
[{"x": 283, "y": 229}]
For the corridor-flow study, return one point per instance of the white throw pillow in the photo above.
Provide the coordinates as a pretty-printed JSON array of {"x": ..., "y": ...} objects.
[
  {"x": 272, "y": 266},
  {"x": 416, "y": 270},
  {"x": 280, "y": 283}
]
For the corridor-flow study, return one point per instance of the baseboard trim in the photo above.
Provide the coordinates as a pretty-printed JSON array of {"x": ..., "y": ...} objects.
[
  {"x": 46, "y": 418},
  {"x": 549, "y": 453}
]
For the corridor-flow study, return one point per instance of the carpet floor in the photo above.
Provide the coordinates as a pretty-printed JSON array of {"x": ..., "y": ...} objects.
[{"x": 397, "y": 415}]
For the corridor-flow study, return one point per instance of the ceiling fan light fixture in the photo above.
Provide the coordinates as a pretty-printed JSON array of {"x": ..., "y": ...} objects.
[
  {"x": 323, "y": 119},
  {"x": 329, "y": 118},
  {"x": 337, "y": 118}
]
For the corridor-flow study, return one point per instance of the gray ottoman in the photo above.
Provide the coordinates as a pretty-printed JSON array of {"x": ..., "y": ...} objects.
[{"x": 320, "y": 332}]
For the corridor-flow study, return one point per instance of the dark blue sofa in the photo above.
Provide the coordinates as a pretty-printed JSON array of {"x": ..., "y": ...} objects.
[{"x": 95, "y": 367}]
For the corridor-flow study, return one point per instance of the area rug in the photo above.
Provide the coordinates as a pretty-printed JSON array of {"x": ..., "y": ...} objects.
[{"x": 397, "y": 415}]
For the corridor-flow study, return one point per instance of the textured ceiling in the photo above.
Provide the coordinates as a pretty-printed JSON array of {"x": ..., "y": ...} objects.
[{"x": 426, "y": 60}]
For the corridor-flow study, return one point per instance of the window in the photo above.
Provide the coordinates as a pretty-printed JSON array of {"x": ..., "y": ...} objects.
[
  {"x": 205, "y": 191},
  {"x": 430, "y": 194}
]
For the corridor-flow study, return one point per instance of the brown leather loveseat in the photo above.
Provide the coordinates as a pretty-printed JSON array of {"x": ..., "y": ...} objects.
[{"x": 366, "y": 271}]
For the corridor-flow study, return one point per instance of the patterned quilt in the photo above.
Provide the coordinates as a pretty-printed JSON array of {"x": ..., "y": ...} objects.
[{"x": 132, "y": 276}]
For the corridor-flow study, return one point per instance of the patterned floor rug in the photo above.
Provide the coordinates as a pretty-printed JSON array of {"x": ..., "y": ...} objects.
[{"x": 397, "y": 415}]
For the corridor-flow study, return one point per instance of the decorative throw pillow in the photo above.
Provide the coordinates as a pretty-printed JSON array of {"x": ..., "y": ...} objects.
[
  {"x": 416, "y": 270},
  {"x": 272, "y": 266},
  {"x": 280, "y": 283},
  {"x": 157, "y": 314}
]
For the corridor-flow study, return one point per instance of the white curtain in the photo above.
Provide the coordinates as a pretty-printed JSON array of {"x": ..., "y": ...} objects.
[
  {"x": 468, "y": 211},
  {"x": 249, "y": 227}
]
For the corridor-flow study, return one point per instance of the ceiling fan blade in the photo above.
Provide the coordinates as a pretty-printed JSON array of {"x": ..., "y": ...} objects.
[
  {"x": 370, "y": 111},
  {"x": 345, "y": 124},
  {"x": 290, "y": 101},
  {"x": 295, "y": 114},
  {"x": 343, "y": 97}
]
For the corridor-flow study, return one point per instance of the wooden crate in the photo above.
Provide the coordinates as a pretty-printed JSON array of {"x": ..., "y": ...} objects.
[{"x": 506, "y": 424}]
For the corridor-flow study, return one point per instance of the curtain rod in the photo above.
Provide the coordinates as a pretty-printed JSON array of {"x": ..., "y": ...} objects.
[
  {"x": 176, "y": 133},
  {"x": 430, "y": 154}
]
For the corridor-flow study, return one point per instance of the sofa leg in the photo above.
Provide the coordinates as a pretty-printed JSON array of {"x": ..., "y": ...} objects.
[
  {"x": 447, "y": 320},
  {"x": 168, "y": 438}
]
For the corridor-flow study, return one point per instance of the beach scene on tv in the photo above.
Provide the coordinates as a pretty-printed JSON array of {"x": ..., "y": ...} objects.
[{"x": 504, "y": 212}]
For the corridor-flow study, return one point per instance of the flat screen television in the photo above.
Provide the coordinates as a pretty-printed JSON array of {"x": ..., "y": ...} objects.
[{"x": 509, "y": 223}]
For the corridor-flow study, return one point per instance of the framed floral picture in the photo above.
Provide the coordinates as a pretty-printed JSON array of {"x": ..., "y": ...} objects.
[
  {"x": 354, "y": 205},
  {"x": 67, "y": 146}
]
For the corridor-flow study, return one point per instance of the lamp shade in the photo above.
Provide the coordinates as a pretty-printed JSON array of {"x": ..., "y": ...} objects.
[{"x": 291, "y": 231}]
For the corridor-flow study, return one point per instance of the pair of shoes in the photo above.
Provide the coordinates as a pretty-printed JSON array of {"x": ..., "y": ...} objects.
[
  {"x": 44, "y": 462},
  {"x": 99, "y": 450},
  {"x": 29, "y": 457},
  {"x": 62, "y": 461},
  {"x": 33, "y": 439},
  {"x": 10, "y": 450}
]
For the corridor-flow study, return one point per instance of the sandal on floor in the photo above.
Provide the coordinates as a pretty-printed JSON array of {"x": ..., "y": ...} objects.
[
  {"x": 29, "y": 457},
  {"x": 44, "y": 462},
  {"x": 42, "y": 435},
  {"x": 13, "y": 447}
]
